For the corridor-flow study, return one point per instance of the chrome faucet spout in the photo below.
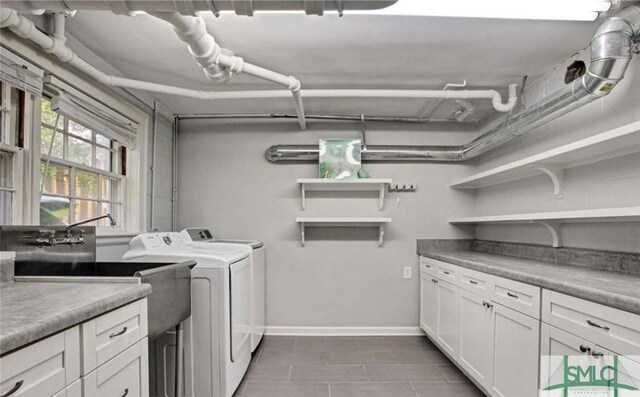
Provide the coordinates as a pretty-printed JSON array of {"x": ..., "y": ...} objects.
[{"x": 112, "y": 221}]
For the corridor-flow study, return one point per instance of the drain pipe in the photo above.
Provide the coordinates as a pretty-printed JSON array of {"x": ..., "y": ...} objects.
[
  {"x": 56, "y": 46},
  {"x": 611, "y": 52}
]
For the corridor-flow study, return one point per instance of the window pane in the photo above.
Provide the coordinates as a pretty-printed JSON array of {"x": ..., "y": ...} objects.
[
  {"x": 103, "y": 158},
  {"x": 56, "y": 179},
  {"x": 6, "y": 169},
  {"x": 57, "y": 149},
  {"x": 6, "y": 205},
  {"x": 79, "y": 151},
  {"x": 83, "y": 209},
  {"x": 110, "y": 189},
  {"x": 103, "y": 140},
  {"x": 86, "y": 184},
  {"x": 77, "y": 129},
  {"x": 54, "y": 210},
  {"x": 114, "y": 210},
  {"x": 49, "y": 116}
]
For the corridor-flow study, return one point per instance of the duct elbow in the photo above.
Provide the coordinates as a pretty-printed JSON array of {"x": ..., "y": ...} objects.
[
  {"x": 272, "y": 154},
  {"x": 8, "y": 17},
  {"x": 496, "y": 100}
]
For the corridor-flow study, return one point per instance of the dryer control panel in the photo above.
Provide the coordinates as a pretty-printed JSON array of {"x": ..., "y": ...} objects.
[{"x": 199, "y": 234}]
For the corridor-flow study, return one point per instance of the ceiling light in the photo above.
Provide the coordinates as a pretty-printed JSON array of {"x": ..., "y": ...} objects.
[{"x": 569, "y": 10}]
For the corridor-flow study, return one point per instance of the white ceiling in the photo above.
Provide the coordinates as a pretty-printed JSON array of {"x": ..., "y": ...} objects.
[{"x": 332, "y": 52}]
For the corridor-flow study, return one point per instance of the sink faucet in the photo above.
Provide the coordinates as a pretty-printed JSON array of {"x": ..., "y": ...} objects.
[{"x": 51, "y": 240}]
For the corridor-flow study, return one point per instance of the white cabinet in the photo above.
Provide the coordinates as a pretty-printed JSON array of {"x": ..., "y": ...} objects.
[
  {"x": 428, "y": 303},
  {"x": 75, "y": 390},
  {"x": 476, "y": 342},
  {"x": 447, "y": 322},
  {"x": 42, "y": 369},
  {"x": 515, "y": 353}
]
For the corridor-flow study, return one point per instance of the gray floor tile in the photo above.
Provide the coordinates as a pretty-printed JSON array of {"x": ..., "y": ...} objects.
[
  {"x": 372, "y": 390},
  {"x": 268, "y": 373},
  {"x": 278, "y": 343},
  {"x": 452, "y": 373},
  {"x": 361, "y": 357},
  {"x": 405, "y": 372},
  {"x": 420, "y": 356},
  {"x": 258, "y": 389},
  {"x": 328, "y": 373},
  {"x": 458, "y": 389},
  {"x": 293, "y": 357}
]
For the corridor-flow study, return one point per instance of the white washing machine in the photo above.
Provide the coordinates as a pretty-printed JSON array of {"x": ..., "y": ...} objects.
[
  {"x": 204, "y": 237},
  {"x": 217, "y": 338}
]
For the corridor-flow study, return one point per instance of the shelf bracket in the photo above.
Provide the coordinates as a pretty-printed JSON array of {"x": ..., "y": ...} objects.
[
  {"x": 380, "y": 235},
  {"x": 555, "y": 228},
  {"x": 302, "y": 233},
  {"x": 556, "y": 173},
  {"x": 303, "y": 194},
  {"x": 383, "y": 187}
]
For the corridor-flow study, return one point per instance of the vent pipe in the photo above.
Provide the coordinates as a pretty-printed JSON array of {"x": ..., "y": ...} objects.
[{"x": 611, "y": 52}]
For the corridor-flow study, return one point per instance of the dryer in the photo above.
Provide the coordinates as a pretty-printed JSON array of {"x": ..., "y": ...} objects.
[
  {"x": 203, "y": 237},
  {"x": 217, "y": 339}
]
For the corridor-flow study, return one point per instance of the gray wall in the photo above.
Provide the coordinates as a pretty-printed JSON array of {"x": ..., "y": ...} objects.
[
  {"x": 341, "y": 277},
  {"x": 610, "y": 183}
]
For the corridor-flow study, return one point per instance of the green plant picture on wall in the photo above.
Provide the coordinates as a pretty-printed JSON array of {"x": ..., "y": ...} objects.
[{"x": 340, "y": 159}]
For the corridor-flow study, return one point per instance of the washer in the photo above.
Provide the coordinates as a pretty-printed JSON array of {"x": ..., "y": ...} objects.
[
  {"x": 217, "y": 338},
  {"x": 204, "y": 237}
]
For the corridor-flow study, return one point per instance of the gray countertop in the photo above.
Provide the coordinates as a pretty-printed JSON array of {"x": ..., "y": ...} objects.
[
  {"x": 33, "y": 310},
  {"x": 609, "y": 288}
]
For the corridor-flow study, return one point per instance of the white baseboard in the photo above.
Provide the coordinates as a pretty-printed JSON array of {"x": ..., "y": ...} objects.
[{"x": 345, "y": 331}]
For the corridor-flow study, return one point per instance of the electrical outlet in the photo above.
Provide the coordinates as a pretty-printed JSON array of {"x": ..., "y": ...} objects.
[{"x": 407, "y": 272}]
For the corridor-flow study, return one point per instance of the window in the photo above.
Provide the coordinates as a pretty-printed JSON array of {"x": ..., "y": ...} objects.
[
  {"x": 82, "y": 172},
  {"x": 11, "y": 134}
]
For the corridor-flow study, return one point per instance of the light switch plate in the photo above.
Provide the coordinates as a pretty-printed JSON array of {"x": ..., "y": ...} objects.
[{"x": 407, "y": 272}]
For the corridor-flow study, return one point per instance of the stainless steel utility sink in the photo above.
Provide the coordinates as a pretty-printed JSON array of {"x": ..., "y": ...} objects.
[{"x": 168, "y": 305}]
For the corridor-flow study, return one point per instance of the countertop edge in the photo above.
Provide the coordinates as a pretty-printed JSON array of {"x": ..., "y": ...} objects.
[
  {"x": 41, "y": 329},
  {"x": 612, "y": 299}
]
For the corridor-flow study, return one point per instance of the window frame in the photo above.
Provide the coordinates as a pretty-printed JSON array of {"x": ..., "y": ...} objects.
[{"x": 17, "y": 187}]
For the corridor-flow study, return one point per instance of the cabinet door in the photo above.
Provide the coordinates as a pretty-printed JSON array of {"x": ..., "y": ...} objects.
[
  {"x": 428, "y": 304},
  {"x": 516, "y": 339},
  {"x": 447, "y": 323},
  {"x": 475, "y": 334}
]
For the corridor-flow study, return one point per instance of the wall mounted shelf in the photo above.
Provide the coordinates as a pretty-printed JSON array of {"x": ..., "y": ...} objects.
[
  {"x": 343, "y": 222},
  {"x": 553, "y": 220},
  {"x": 368, "y": 184},
  {"x": 614, "y": 143}
]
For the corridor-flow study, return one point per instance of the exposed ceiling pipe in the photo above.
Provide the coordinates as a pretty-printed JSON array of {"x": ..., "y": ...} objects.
[
  {"x": 611, "y": 52},
  {"x": 191, "y": 7},
  {"x": 325, "y": 117},
  {"x": 209, "y": 55}
]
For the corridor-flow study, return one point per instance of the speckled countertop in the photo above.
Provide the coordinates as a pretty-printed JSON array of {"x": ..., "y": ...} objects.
[
  {"x": 609, "y": 288},
  {"x": 33, "y": 310}
]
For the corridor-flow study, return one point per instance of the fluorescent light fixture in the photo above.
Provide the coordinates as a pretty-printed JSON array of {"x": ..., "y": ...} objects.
[{"x": 567, "y": 10}]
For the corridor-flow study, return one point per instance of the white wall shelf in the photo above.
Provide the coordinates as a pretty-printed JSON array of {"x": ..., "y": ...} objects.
[
  {"x": 343, "y": 222},
  {"x": 614, "y": 143},
  {"x": 553, "y": 220},
  {"x": 371, "y": 184}
]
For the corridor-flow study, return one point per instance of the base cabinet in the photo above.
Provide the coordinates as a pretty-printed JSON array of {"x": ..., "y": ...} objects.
[
  {"x": 515, "y": 353},
  {"x": 476, "y": 342},
  {"x": 447, "y": 323},
  {"x": 428, "y": 304}
]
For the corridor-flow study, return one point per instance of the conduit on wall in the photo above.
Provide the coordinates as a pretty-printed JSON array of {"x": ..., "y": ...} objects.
[{"x": 611, "y": 52}]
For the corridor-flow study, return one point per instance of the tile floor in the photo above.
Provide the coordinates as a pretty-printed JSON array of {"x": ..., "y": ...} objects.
[{"x": 308, "y": 366}]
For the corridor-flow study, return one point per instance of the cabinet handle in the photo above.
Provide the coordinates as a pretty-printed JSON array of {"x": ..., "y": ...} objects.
[
  {"x": 433, "y": 280},
  {"x": 126, "y": 391},
  {"x": 597, "y": 354},
  {"x": 446, "y": 272},
  {"x": 113, "y": 335},
  {"x": 473, "y": 282},
  {"x": 487, "y": 304},
  {"x": 14, "y": 389},
  {"x": 584, "y": 348},
  {"x": 604, "y": 327},
  {"x": 512, "y": 295}
]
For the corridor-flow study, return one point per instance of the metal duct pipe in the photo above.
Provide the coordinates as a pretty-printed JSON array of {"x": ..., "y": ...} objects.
[
  {"x": 326, "y": 117},
  {"x": 190, "y": 7},
  {"x": 610, "y": 55}
]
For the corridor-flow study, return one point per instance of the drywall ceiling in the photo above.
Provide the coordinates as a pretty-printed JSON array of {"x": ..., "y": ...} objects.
[{"x": 332, "y": 52}]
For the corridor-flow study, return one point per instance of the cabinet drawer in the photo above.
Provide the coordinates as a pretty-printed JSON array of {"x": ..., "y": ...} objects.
[
  {"x": 75, "y": 390},
  {"x": 428, "y": 266},
  {"x": 613, "y": 329},
  {"x": 106, "y": 336},
  {"x": 43, "y": 368},
  {"x": 448, "y": 273},
  {"x": 476, "y": 282},
  {"x": 518, "y": 296},
  {"x": 127, "y": 374}
]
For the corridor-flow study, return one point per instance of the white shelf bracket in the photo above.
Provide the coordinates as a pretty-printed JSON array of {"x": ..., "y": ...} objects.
[
  {"x": 556, "y": 173},
  {"x": 383, "y": 187},
  {"x": 303, "y": 194},
  {"x": 302, "y": 233},
  {"x": 555, "y": 228},
  {"x": 381, "y": 235}
]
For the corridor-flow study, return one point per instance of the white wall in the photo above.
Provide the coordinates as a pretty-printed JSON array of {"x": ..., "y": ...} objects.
[
  {"x": 341, "y": 277},
  {"x": 610, "y": 183}
]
